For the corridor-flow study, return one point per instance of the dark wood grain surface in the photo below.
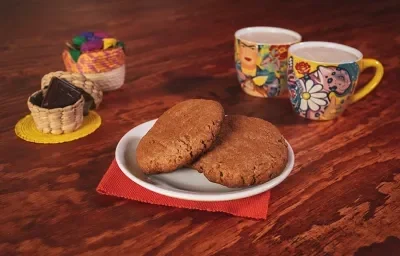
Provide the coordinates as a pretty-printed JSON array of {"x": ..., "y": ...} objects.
[{"x": 342, "y": 198}]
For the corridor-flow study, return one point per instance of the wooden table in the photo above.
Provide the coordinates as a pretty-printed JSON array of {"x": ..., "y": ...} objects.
[{"x": 342, "y": 198}]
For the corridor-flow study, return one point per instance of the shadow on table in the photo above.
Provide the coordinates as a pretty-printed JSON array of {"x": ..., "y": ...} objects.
[
  {"x": 227, "y": 91},
  {"x": 275, "y": 110}
]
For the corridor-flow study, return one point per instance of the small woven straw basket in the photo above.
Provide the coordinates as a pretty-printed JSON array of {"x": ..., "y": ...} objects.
[
  {"x": 105, "y": 67},
  {"x": 57, "y": 120},
  {"x": 66, "y": 119}
]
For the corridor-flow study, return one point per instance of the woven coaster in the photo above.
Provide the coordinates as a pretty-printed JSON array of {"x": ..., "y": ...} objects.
[{"x": 26, "y": 130}]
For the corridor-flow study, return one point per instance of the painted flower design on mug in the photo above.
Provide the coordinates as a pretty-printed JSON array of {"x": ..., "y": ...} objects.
[
  {"x": 259, "y": 69},
  {"x": 280, "y": 51},
  {"x": 313, "y": 97},
  {"x": 293, "y": 93},
  {"x": 303, "y": 67}
]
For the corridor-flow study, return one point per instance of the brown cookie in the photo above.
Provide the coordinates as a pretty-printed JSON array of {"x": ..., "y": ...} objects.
[
  {"x": 248, "y": 151},
  {"x": 179, "y": 136}
]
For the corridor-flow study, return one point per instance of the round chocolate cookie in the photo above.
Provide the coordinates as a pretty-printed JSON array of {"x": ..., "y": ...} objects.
[
  {"x": 179, "y": 136},
  {"x": 248, "y": 151}
]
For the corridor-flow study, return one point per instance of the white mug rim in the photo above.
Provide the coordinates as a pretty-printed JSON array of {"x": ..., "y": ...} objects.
[
  {"x": 312, "y": 44},
  {"x": 246, "y": 30}
]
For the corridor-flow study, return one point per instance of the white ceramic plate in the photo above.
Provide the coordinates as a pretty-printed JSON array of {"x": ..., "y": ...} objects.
[{"x": 184, "y": 183}]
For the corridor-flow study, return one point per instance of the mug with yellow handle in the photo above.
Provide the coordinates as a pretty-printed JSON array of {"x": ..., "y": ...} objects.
[{"x": 322, "y": 78}]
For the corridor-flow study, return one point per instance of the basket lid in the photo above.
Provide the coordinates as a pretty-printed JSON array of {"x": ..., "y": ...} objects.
[{"x": 79, "y": 81}]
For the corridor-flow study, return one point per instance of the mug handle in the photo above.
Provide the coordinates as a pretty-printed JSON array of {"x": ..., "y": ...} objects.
[{"x": 367, "y": 63}]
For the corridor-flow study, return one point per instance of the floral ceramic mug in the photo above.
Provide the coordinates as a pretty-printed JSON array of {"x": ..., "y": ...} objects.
[
  {"x": 261, "y": 59},
  {"x": 322, "y": 78}
]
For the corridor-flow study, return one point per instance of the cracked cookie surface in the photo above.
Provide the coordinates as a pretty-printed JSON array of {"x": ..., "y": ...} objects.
[
  {"x": 248, "y": 151},
  {"x": 179, "y": 136}
]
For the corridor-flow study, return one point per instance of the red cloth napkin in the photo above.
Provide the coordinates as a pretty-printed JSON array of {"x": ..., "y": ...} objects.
[{"x": 115, "y": 183}]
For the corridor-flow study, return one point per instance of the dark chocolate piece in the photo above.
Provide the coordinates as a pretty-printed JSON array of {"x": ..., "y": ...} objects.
[
  {"x": 37, "y": 98},
  {"x": 89, "y": 104},
  {"x": 60, "y": 93},
  {"x": 89, "y": 101}
]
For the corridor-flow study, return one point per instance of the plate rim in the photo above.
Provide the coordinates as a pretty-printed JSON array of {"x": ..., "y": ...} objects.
[{"x": 205, "y": 197}]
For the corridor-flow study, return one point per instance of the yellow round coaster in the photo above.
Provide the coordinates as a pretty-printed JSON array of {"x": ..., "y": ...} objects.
[{"x": 26, "y": 130}]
